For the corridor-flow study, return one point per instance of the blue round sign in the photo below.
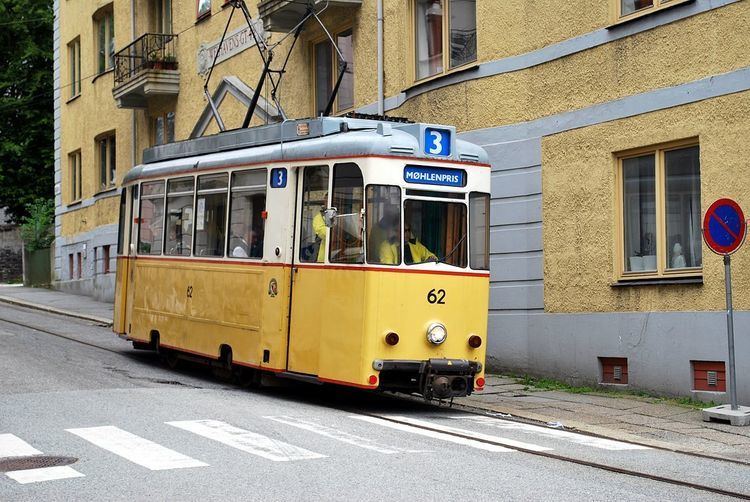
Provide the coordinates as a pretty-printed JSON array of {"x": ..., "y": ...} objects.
[{"x": 724, "y": 227}]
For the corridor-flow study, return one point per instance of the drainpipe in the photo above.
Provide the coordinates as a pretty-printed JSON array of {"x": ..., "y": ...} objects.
[
  {"x": 133, "y": 124},
  {"x": 381, "y": 107}
]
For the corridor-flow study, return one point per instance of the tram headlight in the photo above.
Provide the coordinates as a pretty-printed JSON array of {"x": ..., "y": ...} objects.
[{"x": 436, "y": 333}]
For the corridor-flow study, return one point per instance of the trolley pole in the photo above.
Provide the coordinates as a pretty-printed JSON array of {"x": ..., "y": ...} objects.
[{"x": 730, "y": 331}]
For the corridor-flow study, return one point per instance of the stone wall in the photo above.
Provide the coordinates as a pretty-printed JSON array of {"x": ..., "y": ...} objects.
[{"x": 11, "y": 251}]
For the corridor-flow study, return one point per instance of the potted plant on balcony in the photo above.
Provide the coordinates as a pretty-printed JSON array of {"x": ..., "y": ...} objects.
[{"x": 158, "y": 61}]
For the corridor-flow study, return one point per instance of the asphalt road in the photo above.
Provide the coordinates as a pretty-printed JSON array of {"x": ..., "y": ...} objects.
[{"x": 142, "y": 432}]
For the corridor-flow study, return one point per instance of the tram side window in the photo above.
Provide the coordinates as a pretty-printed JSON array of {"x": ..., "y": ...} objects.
[
  {"x": 435, "y": 230},
  {"x": 151, "y": 218},
  {"x": 179, "y": 234},
  {"x": 246, "y": 214},
  {"x": 211, "y": 214},
  {"x": 122, "y": 221},
  {"x": 346, "y": 232},
  {"x": 479, "y": 230},
  {"x": 314, "y": 201},
  {"x": 383, "y": 224}
]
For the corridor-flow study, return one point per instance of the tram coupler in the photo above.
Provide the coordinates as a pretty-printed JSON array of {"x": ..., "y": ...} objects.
[{"x": 448, "y": 378}]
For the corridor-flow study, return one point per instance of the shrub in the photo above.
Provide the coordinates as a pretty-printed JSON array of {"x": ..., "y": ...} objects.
[{"x": 36, "y": 228}]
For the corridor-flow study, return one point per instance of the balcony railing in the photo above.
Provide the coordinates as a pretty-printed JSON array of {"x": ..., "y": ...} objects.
[{"x": 151, "y": 51}]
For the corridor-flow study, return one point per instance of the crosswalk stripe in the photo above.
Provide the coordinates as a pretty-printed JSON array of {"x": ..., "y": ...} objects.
[
  {"x": 605, "y": 444},
  {"x": 13, "y": 446},
  {"x": 135, "y": 448},
  {"x": 43, "y": 474},
  {"x": 512, "y": 443},
  {"x": 249, "y": 442},
  {"x": 432, "y": 434},
  {"x": 344, "y": 437}
]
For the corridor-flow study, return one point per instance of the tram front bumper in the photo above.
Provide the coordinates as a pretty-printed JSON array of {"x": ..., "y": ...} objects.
[{"x": 434, "y": 378}]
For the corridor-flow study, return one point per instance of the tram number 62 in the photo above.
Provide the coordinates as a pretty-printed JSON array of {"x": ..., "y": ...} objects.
[{"x": 436, "y": 296}]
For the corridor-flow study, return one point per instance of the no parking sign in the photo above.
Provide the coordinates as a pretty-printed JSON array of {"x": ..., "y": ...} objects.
[
  {"x": 724, "y": 230},
  {"x": 724, "y": 227}
]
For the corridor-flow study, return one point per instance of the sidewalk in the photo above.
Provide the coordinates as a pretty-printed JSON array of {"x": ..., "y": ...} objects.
[
  {"x": 648, "y": 421},
  {"x": 49, "y": 300}
]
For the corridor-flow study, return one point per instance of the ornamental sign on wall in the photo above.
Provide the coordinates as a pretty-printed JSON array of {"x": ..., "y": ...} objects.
[{"x": 234, "y": 43}]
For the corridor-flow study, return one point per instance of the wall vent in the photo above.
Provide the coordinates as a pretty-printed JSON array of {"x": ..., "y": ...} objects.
[
  {"x": 709, "y": 376},
  {"x": 614, "y": 370},
  {"x": 403, "y": 150}
]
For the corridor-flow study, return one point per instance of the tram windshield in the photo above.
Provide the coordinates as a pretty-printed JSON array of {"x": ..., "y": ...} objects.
[{"x": 435, "y": 231}]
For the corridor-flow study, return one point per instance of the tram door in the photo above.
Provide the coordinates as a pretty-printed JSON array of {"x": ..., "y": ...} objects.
[
  {"x": 308, "y": 274},
  {"x": 124, "y": 272}
]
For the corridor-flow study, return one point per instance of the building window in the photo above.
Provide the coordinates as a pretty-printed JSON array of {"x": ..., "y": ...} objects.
[
  {"x": 203, "y": 8},
  {"x": 162, "y": 129},
  {"x": 74, "y": 63},
  {"x": 635, "y": 8},
  {"x": 327, "y": 67},
  {"x": 74, "y": 168},
  {"x": 104, "y": 22},
  {"x": 106, "y": 157},
  {"x": 70, "y": 266},
  {"x": 162, "y": 20},
  {"x": 661, "y": 211},
  {"x": 79, "y": 263},
  {"x": 441, "y": 24},
  {"x": 105, "y": 259}
]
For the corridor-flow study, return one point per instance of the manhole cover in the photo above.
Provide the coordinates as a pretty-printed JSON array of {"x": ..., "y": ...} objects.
[{"x": 36, "y": 462}]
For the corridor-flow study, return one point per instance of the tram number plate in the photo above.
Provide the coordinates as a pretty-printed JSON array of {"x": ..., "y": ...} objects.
[
  {"x": 437, "y": 142},
  {"x": 278, "y": 177},
  {"x": 436, "y": 296}
]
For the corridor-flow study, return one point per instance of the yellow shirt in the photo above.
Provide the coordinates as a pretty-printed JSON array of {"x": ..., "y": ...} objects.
[
  {"x": 319, "y": 227},
  {"x": 419, "y": 253},
  {"x": 389, "y": 253}
]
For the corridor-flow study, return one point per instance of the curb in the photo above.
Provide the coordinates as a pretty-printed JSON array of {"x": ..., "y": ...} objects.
[{"x": 46, "y": 308}]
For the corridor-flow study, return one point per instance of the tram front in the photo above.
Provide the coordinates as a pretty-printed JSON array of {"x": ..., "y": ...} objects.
[{"x": 427, "y": 253}]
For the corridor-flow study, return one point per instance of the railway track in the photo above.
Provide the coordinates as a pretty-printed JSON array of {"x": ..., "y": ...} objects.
[{"x": 546, "y": 454}]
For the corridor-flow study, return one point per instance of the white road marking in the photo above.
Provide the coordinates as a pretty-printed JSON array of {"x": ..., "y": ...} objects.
[
  {"x": 605, "y": 444},
  {"x": 344, "y": 437},
  {"x": 247, "y": 441},
  {"x": 511, "y": 443},
  {"x": 432, "y": 434},
  {"x": 43, "y": 474},
  {"x": 13, "y": 446},
  {"x": 135, "y": 448}
]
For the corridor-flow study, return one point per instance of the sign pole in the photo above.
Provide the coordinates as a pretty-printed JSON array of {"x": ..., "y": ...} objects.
[{"x": 730, "y": 331}]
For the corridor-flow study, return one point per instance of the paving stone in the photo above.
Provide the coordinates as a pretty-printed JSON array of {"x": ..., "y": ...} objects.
[
  {"x": 659, "y": 410},
  {"x": 641, "y": 420}
]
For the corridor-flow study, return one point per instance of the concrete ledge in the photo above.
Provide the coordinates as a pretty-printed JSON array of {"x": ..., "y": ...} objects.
[{"x": 45, "y": 308}]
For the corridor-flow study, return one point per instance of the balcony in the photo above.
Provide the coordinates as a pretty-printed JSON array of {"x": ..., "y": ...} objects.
[
  {"x": 283, "y": 15},
  {"x": 147, "y": 67}
]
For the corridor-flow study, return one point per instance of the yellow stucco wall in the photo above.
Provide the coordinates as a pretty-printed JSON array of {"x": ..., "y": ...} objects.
[{"x": 580, "y": 207}]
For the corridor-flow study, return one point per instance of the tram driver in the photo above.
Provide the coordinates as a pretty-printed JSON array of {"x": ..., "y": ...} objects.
[{"x": 414, "y": 250}]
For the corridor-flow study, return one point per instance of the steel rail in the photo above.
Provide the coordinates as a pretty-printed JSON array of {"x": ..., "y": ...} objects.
[{"x": 553, "y": 456}]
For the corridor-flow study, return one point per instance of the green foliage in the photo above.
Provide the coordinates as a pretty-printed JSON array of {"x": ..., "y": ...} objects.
[
  {"x": 26, "y": 104},
  {"x": 36, "y": 227},
  {"x": 542, "y": 384}
]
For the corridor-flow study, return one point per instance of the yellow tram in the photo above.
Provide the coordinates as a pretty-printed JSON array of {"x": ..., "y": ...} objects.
[{"x": 344, "y": 250}]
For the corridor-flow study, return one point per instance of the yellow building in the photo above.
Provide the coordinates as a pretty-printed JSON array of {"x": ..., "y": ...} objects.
[{"x": 611, "y": 127}]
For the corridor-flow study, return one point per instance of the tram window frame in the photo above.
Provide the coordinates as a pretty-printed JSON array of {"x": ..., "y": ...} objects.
[
  {"x": 345, "y": 187},
  {"x": 373, "y": 251},
  {"x": 234, "y": 241},
  {"x": 200, "y": 220},
  {"x": 146, "y": 196},
  {"x": 474, "y": 196},
  {"x": 179, "y": 247},
  {"x": 460, "y": 247},
  {"x": 122, "y": 220},
  {"x": 308, "y": 236}
]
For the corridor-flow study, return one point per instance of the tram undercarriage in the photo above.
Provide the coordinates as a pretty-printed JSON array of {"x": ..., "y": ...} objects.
[{"x": 434, "y": 378}]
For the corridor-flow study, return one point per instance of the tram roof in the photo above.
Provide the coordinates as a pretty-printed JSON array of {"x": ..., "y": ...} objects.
[{"x": 318, "y": 138}]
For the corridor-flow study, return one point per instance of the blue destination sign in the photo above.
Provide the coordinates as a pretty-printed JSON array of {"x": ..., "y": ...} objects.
[{"x": 426, "y": 175}]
